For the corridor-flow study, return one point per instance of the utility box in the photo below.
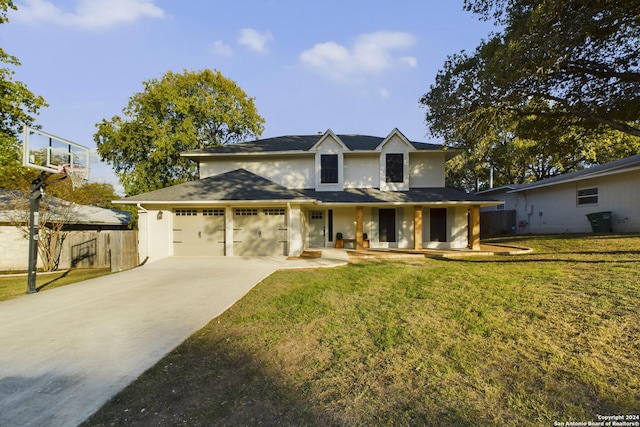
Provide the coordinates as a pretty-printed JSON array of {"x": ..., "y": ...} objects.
[{"x": 600, "y": 222}]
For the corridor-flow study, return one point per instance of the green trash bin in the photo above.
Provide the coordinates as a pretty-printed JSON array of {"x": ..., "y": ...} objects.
[{"x": 600, "y": 222}]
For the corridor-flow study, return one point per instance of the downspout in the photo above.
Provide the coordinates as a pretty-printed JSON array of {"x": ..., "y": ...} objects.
[
  {"x": 146, "y": 241},
  {"x": 289, "y": 229}
]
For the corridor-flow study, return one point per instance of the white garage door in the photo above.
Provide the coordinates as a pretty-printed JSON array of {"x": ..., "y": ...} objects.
[
  {"x": 198, "y": 232},
  {"x": 259, "y": 232}
]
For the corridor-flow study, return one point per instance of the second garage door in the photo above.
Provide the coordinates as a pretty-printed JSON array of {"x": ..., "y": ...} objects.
[{"x": 259, "y": 232}]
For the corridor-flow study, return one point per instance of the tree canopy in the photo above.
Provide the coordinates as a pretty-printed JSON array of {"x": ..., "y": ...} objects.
[
  {"x": 561, "y": 81},
  {"x": 18, "y": 106},
  {"x": 179, "y": 112}
]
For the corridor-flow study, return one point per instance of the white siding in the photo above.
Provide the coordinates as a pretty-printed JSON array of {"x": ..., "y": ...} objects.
[
  {"x": 426, "y": 169},
  {"x": 361, "y": 170},
  {"x": 344, "y": 221},
  {"x": 554, "y": 209},
  {"x": 14, "y": 248},
  {"x": 458, "y": 228},
  {"x": 295, "y": 225},
  {"x": 159, "y": 232},
  {"x": 289, "y": 171}
]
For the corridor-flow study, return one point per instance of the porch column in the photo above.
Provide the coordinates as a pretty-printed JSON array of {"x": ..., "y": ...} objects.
[
  {"x": 474, "y": 228},
  {"x": 359, "y": 227},
  {"x": 417, "y": 227}
]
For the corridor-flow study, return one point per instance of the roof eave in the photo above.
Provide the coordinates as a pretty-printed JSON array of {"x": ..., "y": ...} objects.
[
  {"x": 577, "y": 178},
  {"x": 194, "y": 156},
  {"x": 210, "y": 202}
]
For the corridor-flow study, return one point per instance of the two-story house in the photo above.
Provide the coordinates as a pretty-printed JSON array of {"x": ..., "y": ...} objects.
[{"x": 280, "y": 196}]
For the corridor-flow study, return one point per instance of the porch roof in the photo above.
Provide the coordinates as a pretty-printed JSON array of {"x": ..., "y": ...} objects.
[{"x": 437, "y": 195}]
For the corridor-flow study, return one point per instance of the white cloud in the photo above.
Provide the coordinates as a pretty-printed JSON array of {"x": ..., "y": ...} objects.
[
  {"x": 220, "y": 48},
  {"x": 254, "y": 40},
  {"x": 384, "y": 93},
  {"x": 370, "y": 53},
  {"x": 410, "y": 61},
  {"x": 89, "y": 14}
]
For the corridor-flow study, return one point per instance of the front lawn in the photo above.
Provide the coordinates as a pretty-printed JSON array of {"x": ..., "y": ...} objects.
[
  {"x": 16, "y": 285},
  {"x": 522, "y": 340}
]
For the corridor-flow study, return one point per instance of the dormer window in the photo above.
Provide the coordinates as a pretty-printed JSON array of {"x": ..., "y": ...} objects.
[
  {"x": 395, "y": 167},
  {"x": 329, "y": 169}
]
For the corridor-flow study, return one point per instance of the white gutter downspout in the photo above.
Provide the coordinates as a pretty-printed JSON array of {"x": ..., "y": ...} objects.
[{"x": 146, "y": 241}]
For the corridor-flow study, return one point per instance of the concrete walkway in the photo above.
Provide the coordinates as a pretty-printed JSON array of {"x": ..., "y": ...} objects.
[{"x": 65, "y": 352}]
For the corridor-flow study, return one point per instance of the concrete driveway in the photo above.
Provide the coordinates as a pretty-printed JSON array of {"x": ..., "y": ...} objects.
[{"x": 65, "y": 352}]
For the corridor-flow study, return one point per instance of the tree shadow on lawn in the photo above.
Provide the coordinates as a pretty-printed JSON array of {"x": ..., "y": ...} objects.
[
  {"x": 211, "y": 380},
  {"x": 208, "y": 383}
]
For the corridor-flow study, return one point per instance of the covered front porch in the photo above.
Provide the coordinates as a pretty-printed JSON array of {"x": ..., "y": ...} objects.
[{"x": 400, "y": 226}]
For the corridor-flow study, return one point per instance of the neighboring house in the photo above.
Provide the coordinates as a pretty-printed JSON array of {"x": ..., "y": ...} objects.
[
  {"x": 561, "y": 204},
  {"x": 14, "y": 246},
  {"x": 280, "y": 196}
]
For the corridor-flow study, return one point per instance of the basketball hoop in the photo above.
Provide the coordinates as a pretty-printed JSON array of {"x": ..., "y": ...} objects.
[{"x": 77, "y": 173}]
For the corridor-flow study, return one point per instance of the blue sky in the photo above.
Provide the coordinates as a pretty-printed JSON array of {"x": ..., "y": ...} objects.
[{"x": 349, "y": 66}]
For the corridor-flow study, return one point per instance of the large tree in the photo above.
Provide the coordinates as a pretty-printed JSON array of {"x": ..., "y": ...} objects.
[
  {"x": 563, "y": 75},
  {"x": 179, "y": 112},
  {"x": 18, "y": 106}
]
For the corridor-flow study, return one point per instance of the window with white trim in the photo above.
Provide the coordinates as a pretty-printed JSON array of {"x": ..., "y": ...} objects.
[
  {"x": 587, "y": 196},
  {"x": 329, "y": 169},
  {"x": 395, "y": 167}
]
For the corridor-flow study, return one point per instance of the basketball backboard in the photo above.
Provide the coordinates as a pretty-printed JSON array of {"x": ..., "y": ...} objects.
[{"x": 53, "y": 154}]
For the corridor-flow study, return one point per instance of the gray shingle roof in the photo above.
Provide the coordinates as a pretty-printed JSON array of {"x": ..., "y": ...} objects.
[
  {"x": 414, "y": 195},
  {"x": 617, "y": 166},
  {"x": 241, "y": 185},
  {"x": 231, "y": 186},
  {"x": 302, "y": 143},
  {"x": 72, "y": 213}
]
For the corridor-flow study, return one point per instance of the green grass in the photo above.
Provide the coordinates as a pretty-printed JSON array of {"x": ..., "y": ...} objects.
[
  {"x": 16, "y": 285},
  {"x": 510, "y": 340}
]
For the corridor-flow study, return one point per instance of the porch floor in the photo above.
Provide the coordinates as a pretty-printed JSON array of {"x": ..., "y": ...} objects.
[{"x": 393, "y": 253}]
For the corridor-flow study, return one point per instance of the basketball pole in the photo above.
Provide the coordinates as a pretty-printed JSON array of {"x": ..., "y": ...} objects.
[{"x": 37, "y": 190}]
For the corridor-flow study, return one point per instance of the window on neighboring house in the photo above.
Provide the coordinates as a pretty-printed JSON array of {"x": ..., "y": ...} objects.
[
  {"x": 395, "y": 167},
  {"x": 588, "y": 196},
  {"x": 329, "y": 168}
]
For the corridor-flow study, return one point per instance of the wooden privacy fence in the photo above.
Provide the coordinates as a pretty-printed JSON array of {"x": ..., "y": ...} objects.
[
  {"x": 497, "y": 223},
  {"x": 115, "y": 249}
]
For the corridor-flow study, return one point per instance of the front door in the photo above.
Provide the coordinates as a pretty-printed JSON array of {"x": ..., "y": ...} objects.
[
  {"x": 438, "y": 227},
  {"x": 317, "y": 229},
  {"x": 387, "y": 225}
]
